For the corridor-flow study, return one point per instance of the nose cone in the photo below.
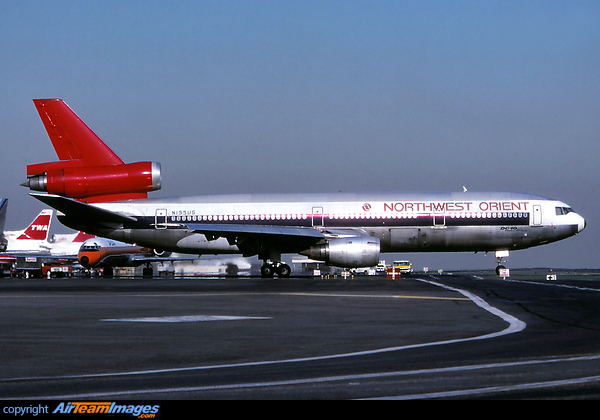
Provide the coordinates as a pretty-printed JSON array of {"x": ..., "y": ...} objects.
[
  {"x": 581, "y": 225},
  {"x": 88, "y": 260}
]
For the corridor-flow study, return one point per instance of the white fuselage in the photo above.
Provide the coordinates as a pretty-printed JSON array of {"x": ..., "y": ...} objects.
[{"x": 409, "y": 222}]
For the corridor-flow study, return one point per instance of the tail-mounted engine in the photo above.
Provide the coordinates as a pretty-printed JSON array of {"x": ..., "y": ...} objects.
[
  {"x": 353, "y": 252},
  {"x": 95, "y": 183}
]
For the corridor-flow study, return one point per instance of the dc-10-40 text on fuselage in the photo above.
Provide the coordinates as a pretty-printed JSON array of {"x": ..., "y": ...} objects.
[{"x": 341, "y": 229}]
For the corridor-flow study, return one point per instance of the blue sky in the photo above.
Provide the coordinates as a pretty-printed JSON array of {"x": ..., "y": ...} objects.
[{"x": 320, "y": 96}]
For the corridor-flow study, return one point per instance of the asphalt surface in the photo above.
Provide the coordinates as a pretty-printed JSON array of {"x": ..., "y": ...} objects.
[{"x": 460, "y": 336}]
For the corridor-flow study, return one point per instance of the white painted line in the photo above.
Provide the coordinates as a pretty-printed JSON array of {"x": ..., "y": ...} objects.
[
  {"x": 188, "y": 318},
  {"x": 539, "y": 283},
  {"x": 497, "y": 389},
  {"x": 380, "y": 375},
  {"x": 514, "y": 324}
]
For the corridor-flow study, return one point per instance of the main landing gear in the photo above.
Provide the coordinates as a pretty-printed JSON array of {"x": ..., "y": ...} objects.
[
  {"x": 268, "y": 270},
  {"x": 272, "y": 264}
]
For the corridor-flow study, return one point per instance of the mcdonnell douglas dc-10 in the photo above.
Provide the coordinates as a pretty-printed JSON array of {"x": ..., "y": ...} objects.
[{"x": 98, "y": 193}]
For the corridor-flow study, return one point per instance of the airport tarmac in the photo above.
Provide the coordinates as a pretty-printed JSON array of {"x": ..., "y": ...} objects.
[{"x": 460, "y": 335}]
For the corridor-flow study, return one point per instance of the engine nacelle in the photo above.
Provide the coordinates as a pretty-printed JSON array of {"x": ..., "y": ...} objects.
[
  {"x": 93, "y": 181},
  {"x": 353, "y": 252}
]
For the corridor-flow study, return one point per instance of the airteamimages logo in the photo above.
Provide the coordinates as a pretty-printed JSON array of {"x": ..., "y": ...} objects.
[{"x": 140, "y": 411}]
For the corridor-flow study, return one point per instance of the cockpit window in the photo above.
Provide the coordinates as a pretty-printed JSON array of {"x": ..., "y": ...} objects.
[
  {"x": 90, "y": 248},
  {"x": 561, "y": 211}
]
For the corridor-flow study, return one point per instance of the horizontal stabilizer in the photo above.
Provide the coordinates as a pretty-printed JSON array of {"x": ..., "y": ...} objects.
[{"x": 76, "y": 210}]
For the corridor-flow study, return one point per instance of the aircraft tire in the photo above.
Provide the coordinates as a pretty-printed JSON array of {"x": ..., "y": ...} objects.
[
  {"x": 284, "y": 270},
  {"x": 267, "y": 271}
]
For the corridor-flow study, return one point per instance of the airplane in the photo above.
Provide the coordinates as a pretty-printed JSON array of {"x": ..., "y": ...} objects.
[
  {"x": 98, "y": 193},
  {"x": 107, "y": 253},
  {"x": 89, "y": 250},
  {"x": 35, "y": 240}
]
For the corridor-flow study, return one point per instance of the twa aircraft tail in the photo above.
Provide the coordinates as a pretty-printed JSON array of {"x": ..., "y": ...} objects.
[
  {"x": 88, "y": 169},
  {"x": 39, "y": 229}
]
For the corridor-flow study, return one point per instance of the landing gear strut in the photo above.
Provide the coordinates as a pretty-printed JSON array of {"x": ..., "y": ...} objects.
[
  {"x": 148, "y": 271},
  {"x": 499, "y": 256},
  {"x": 268, "y": 270}
]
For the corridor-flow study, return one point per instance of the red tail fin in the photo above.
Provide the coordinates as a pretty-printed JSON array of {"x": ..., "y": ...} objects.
[
  {"x": 71, "y": 137},
  {"x": 82, "y": 237},
  {"x": 38, "y": 229},
  {"x": 88, "y": 169}
]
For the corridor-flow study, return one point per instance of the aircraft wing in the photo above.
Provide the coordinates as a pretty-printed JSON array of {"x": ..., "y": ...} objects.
[
  {"x": 251, "y": 239},
  {"x": 133, "y": 260},
  {"x": 231, "y": 230},
  {"x": 224, "y": 230},
  {"x": 142, "y": 260}
]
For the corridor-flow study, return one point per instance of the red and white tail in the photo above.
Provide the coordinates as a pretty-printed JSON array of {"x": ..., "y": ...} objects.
[
  {"x": 82, "y": 237},
  {"x": 39, "y": 229}
]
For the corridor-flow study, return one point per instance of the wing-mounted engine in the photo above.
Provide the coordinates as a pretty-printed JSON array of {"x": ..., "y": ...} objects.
[
  {"x": 88, "y": 169},
  {"x": 350, "y": 252}
]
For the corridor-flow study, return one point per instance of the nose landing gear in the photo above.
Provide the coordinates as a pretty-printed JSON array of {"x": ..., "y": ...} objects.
[{"x": 499, "y": 256}]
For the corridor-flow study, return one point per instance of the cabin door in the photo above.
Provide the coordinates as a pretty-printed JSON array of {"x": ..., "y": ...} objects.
[{"x": 160, "y": 219}]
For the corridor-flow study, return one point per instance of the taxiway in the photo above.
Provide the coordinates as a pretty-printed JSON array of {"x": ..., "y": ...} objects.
[{"x": 423, "y": 336}]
